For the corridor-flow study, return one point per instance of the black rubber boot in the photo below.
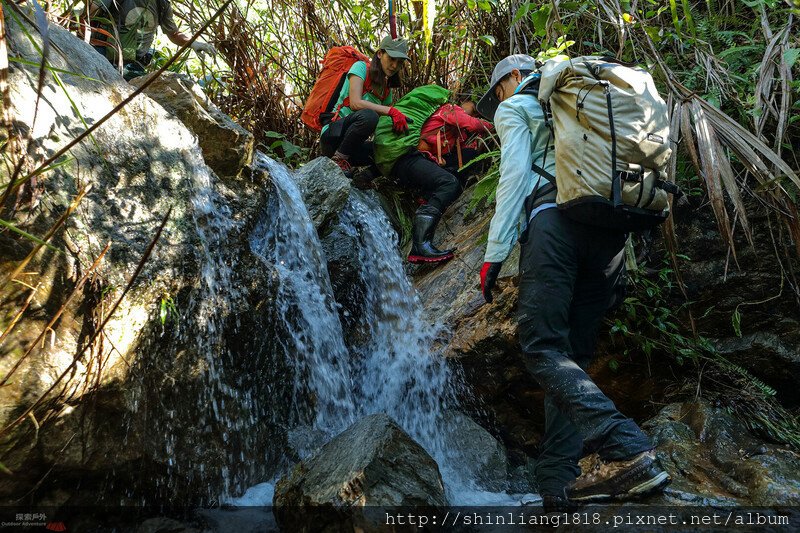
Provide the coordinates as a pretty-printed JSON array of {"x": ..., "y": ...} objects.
[{"x": 422, "y": 249}]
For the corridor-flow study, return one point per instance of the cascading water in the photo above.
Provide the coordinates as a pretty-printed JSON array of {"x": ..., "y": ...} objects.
[
  {"x": 395, "y": 371},
  {"x": 287, "y": 240}
]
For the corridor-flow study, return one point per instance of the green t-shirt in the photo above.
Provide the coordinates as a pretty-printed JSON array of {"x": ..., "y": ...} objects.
[
  {"x": 137, "y": 22},
  {"x": 359, "y": 69}
]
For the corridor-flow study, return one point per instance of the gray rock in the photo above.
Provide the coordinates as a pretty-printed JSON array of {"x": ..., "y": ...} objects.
[
  {"x": 482, "y": 456},
  {"x": 373, "y": 463},
  {"x": 131, "y": 417},
  {"x": 227, "y": 147},
  {"x": 325, "y": 191},
  {"x": 713, "y": 460}
]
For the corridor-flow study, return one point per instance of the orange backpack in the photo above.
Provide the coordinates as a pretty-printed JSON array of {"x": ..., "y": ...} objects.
[{"x": 318, "y": 110}]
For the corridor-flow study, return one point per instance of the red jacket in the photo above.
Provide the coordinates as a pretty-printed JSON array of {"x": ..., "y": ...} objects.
[{"x": 453, "y": 126}]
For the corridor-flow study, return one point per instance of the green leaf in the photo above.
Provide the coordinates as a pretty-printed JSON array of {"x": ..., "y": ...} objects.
[
  {"x": 488, "y": 39},
  {"x": 736, "y": 321},
  {"x": 27, "y": 235},
  {"x": 540, "y": 18},
  {"x": 790, "y": 56},
  {"x": 273, "y": 135},
  {"x": 522, "y": 12}
]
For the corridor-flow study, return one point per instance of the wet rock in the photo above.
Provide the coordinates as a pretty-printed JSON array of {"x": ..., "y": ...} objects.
[
  {"x": 227, "y": 147},
  {"x": 325, "y": 191},
  {"x": 344, "y": 267},
  {"x": 704, "y": 449},
  {"x": 484, "y": 458},
  {"x": 373, "y": 463},
  {"x": 129, "y": 414}
]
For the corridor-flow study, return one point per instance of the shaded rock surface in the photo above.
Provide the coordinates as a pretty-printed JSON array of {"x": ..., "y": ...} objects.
[
  {"x": 227, "y": 147},
  {"x": 372, "y": 463},
  {"x": 484, "y": 456},
  {"x": 714, "y": 460},
  {"x": 325, "y": 190}
]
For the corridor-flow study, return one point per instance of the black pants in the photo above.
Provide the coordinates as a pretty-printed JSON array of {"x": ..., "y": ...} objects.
[
  {"x": 349, "y": 136},
  {"x": 568, "y": 276},
  {"x": 440, "y": 187}
]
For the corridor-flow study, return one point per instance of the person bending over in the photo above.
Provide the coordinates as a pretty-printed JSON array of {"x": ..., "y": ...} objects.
[
  {"x": 136, "y": 22},
  {"x": 435, "y": 169},
  {"x": 568, "y": 274}
]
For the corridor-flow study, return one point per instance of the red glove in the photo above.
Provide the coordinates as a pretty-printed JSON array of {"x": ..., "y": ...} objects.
[
  {"x": 399, "y": 120},
  {"x": 489, "y": 274}
]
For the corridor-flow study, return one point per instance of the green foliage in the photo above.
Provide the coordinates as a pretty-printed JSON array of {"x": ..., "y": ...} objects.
[
  {"x": 648, "y": 323},
  {"x": 486, "y": 188},
  {"x": 278, "y": 147},
  {"x": 167, "y": 310}
]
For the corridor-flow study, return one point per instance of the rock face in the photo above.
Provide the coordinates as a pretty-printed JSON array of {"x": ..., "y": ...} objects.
[
  {"x": 227, "y": 147},
  {"x": 325, "y": 190},
  {"x": 484, "y": 457},
  {"x": 134, "y": 407},
  {"x": 373, "y": 463},
  {"x": 713, "y": 460}
]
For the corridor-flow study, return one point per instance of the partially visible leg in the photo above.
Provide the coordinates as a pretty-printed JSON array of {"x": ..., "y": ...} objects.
[
  {"x": 440, "y": 187},
  {"x": 357, "y": 128},
  {"x": 416, "y": 171},
  {"x": 551, "y": 267},
  {"x": 544, "y": 297}
]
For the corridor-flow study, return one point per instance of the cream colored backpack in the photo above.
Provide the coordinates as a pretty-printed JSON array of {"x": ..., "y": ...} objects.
[{"x": 611, "y": 132}]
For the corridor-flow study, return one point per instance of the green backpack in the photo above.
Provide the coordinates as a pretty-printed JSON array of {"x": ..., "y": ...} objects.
[{"x": 418, "y": 105}]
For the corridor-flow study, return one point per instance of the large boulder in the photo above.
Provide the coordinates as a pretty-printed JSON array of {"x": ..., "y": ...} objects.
[
  {"x": 227, "y": 147},
  {"x": 131, "y": 417},
  {"x": 374, "y": 463}
]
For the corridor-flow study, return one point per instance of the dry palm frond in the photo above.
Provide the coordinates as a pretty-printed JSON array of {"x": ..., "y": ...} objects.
[
  {"x": 710, "y": 170},
  {"x": 668, "y": 229}
]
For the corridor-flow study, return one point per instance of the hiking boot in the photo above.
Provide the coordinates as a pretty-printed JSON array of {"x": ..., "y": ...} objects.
[
  {"x": 557, "y": 503},
  {"x": 422, "y": 249},
  {"x": 620, "y": 480},
  {"x": 344, "y": 164}
]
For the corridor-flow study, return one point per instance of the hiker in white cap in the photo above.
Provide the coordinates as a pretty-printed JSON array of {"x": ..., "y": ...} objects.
[{"x": 569, "y": 274}]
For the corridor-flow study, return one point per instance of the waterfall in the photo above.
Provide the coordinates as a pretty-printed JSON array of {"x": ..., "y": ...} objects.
[
  {"x": 396, "y": 370},
  {"x": 287, "y": 240}
]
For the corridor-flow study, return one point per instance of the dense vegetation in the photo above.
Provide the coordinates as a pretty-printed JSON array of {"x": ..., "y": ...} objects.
[{"x": 727, "y": 68}]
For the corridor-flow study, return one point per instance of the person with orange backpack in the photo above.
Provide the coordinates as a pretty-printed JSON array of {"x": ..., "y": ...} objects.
[{"x": 365, "y": 95}]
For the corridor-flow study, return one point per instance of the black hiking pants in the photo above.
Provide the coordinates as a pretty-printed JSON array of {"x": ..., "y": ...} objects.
[
  {"x": 349, "y": 136},
  {"x": 569, "y": 273},
  {"x": 415, "y": 171}
]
